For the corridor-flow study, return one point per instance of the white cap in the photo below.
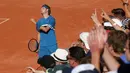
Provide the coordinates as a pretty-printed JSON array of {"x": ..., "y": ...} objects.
[
  {"x": 60, "y": 55},
  {"x": 83, "y": 36}
]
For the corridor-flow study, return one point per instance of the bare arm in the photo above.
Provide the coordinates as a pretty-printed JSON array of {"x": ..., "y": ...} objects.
[
  {"x": 109, "y": 59},
  {"x": 95, "y": 19},
  {"x": 117, "y": 27},
  {"x": 126, "y": 7},
  {"x": 96, "y": 40}
]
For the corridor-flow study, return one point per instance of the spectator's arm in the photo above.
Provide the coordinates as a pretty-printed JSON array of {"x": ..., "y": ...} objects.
[
  {"x": 96, "y": 40},
  {"x": 109, "y": 59},
  {"x": 95, "y": 19},
  {"x": 127, "y": 10},
  {"x": 126, "y": 7},
  {"x": 117, "y": 27},
  {"x": 96, "y": 60},
  {"x": 32, "y": 70}
]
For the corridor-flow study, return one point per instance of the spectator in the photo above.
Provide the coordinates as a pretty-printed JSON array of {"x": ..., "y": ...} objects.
[
  {"x": 81, "y": 42},
  {"x": 60, "y": 57},
  {"x": 120, "y": 13},
  {"x": 75, "y": 55},
  {"x": 116, "y": 41}
]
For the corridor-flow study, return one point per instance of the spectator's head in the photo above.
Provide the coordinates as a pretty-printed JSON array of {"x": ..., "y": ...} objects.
[
  {"x": 128, "y": 48},
  {"x": 45, "y": 9},
  {"x": 119, "y": 13},
  {"x": 75, "y": 55},
  {"x": 60, "y": 56},
  {"x": 86, "y": 60},
  {"x": 82, "y": 41},
  {"x": 47, "y": 61},
  {"x": 116, "y": 41}
]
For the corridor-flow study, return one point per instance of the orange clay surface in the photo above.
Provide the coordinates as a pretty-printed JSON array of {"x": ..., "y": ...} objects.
[{"x": 72, "y": 18}]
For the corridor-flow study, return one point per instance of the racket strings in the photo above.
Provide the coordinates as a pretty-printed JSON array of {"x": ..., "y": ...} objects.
[{"x": 33, "y": 45}]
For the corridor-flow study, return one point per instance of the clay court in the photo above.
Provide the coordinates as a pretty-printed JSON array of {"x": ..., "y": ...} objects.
[{"x": 72, "y": 18}]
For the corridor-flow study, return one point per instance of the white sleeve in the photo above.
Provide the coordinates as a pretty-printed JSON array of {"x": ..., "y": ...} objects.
[
  {"x": 112, "y": 71},
  {"x": 118, "y": 22},
  {"x": 48, "y": 26}
]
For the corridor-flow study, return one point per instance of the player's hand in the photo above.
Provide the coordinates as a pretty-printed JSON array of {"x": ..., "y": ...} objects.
[
  {"x": 125, "y": 1},
  {"x": 33, "y": 20}
]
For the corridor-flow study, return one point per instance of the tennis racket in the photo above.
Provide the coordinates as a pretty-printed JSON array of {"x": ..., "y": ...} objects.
[{"x": 33, "y": 45}]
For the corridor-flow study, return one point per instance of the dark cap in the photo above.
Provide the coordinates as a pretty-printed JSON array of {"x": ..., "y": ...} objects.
[{"x": 47, "y": 61}]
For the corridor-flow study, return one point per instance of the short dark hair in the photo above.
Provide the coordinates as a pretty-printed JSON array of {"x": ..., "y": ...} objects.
[
  {"x": 77, "y": 52},
  {"x": 119, "y": 12},
  {"x": 128, "y": 27},
  {"x": 85, "y": 60},
  {"x": 46, "y": 61},
  {"x": 117, "y": 39},
  {"x": 47, "y": 7}
]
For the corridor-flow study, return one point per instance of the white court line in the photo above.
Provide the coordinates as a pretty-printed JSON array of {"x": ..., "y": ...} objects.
[{"x": 4, "y": 20}]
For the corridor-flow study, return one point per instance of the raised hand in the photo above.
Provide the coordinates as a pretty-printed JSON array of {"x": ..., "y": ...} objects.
[
  {"x": 33, "y": 20},
  {"x": 95, "y": 19},
  {"x": 30, "y": 70},
  {"x": 104, "y": 15},
  {"x": 97, "y": 38},
  {"x": 125, "y": 1}
]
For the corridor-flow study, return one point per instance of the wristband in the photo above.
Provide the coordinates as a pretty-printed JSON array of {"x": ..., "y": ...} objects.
[{"x": 125, "y": 4}]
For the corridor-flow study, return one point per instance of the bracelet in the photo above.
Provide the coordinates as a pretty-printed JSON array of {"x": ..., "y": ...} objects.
[{"x": 125, "y": 4}]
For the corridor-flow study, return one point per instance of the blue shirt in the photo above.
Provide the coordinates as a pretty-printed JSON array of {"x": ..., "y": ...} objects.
[
  {"x": 49, "y": 38},
  {"x": 124, "y": 59}
]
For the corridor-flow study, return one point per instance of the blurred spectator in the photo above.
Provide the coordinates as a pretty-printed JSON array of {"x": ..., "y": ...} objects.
[
  {"x": 120, "y": 13},
  {"x": 75, "y": 55},
  {"x": 60, "y": 57}
]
